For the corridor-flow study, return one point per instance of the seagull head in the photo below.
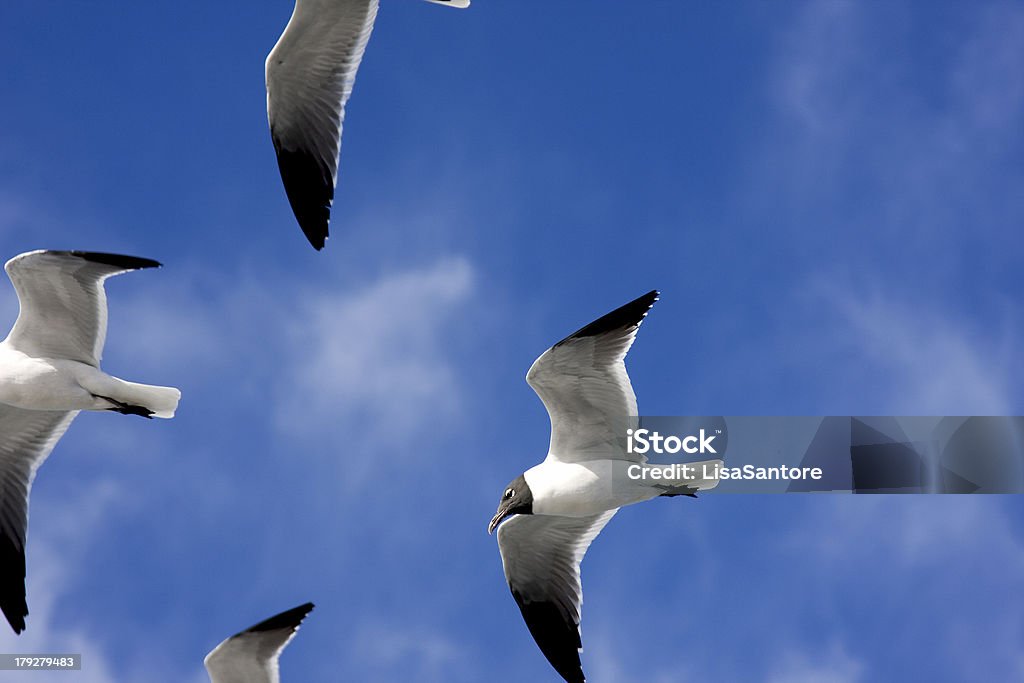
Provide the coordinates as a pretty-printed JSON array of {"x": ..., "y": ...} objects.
[{"x": 516, "y": 500}]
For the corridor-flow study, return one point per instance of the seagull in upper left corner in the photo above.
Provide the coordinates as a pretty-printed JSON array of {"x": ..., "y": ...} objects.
[
  {"x": 49, "y": 371},
  {"x": 548, "y": 516},
  {"x": 310, "y": 75},
  {"x": 251, "y": 656}
]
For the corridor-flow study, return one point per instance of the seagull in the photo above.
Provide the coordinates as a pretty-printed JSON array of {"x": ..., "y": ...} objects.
[
  {"x": 549, "y": 515},
  {"x": 310, "y": 74},
  {"x": 251, "y": 656},
  {"x": 49, "y": 370}
]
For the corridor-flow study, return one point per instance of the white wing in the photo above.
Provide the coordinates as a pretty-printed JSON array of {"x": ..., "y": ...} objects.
[
  {"x": 541, "y": 555},
  {"x": 251, "y": 656},
  {"x": 583, "y": 383},
  {"x": 26, "y": 438},
  {"x": 63, "y": 305},
  {"x": 310, "y": 74}
]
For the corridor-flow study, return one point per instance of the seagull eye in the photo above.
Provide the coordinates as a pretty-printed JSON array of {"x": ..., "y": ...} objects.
[{"x": 509, "y": 493}]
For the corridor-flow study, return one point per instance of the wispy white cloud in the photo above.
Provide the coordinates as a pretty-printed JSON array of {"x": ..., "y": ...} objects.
[
  {"x": 898, "y": 189},
  {"x": 964, "y": 546},
  {"x": 915, "y": 358},
  {"x": 607, "y": 658},
  {"x": 376, "y": 354},
  {"x": 864, "y": 139},
  {"x": 815, "y": 59},
  {"x": 962, "y": 554},
  {"x": 421, "y": 653},
  {"x": 833, "y": 666},
  {"x": 888, "y": 178},
  {"x": 987, "y": 81}
]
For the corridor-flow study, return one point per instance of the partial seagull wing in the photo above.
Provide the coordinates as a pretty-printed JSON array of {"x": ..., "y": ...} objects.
[
  {"x": 251, "y": 656},
  {"x": 541, "y": 555},
  {"x": 583, "y": 383},
  {"x": 310, "y": 75},
  {"x": 26, "y": 438},
  {"x": 63, "y": 305}
]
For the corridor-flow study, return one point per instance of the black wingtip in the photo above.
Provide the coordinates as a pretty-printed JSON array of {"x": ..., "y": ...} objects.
[
  {"x": 629, "y": 315},
  {"x": 16, "y": 616},
  {"x": 288, "y": 619},
  {"x": 309, "y": 185},
  {"x": 117, "y": 260},
  {"x": 557, "y": 637},
  {"x": 12, "y": 583}
]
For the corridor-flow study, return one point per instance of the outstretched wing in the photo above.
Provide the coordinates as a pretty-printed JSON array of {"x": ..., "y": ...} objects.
[
  {"x": 63, "y": 305},
  {"x": 310, "y": 75},
  {"x": 583, "y": 383},
  {"x": 251, "y": 656},
  {"x": 26, "y": 438},
  {"x": 541, "y": 555}
]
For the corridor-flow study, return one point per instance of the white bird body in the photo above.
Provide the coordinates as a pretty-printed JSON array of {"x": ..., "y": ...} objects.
[
  {"x": 582, "y": 489},
  {"x": 33, "y": 383}
]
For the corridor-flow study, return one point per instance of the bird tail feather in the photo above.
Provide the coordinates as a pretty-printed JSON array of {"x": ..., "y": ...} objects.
[
  {"x": 157, "y": 401},
  {"x": 163, "y": 401}
]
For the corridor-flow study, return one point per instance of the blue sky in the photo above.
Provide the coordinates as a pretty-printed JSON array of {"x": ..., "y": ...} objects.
[{"x": 827, "y": 194}]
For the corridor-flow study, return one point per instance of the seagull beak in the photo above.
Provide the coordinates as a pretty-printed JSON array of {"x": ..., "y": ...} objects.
[{"x": 495, "y": 521}]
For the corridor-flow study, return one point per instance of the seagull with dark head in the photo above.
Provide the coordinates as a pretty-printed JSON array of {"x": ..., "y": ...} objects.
[
  {"x": 49, "y": 371},
  {"x": 549, "y": 515},
  {"x": 310, "y": 75}
]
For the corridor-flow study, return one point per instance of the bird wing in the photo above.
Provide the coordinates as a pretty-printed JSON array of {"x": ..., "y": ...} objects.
[
  {"x": 26, "y": 438},
  {"x": 251, "y": 656},
  {"x": 63, "y": 305},
  {"x": 583, "y": 383},
  {"x": 310, "y": 75},
  {"x": 541, "y": 555}
]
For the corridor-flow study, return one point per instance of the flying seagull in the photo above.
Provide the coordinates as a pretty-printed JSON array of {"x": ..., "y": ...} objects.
[
  {"x": 310, "y": 74},
  {"x": 50, "y": 370},
  {"x": 549, "y": 515},
  {"x": 251, "y": 656}
]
